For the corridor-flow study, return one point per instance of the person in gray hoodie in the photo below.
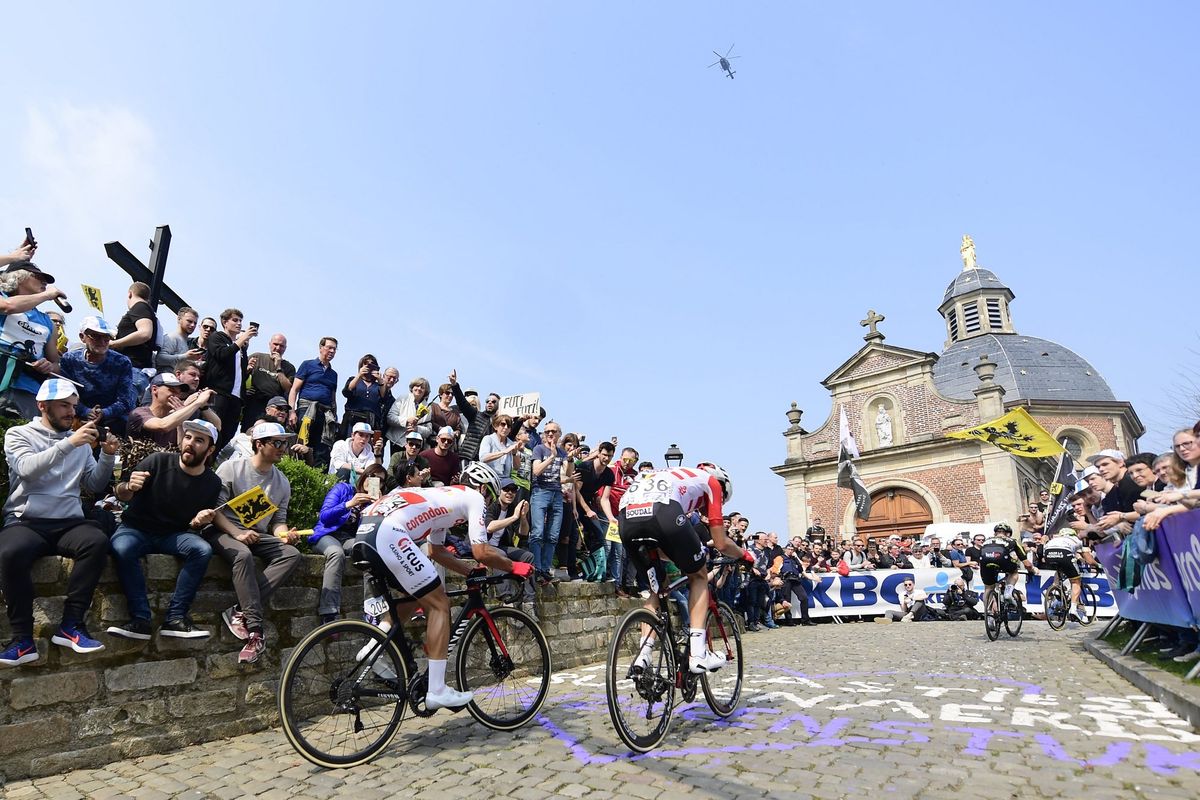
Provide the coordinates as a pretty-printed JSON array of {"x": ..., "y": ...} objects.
[{"x": 48, "y": 464}]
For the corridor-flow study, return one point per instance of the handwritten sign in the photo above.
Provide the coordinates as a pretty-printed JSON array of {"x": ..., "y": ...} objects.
[
  {"x": 92, "y": 295},
  {"x": 252, "y": 506},
  {"x": 521, "y": 405}
]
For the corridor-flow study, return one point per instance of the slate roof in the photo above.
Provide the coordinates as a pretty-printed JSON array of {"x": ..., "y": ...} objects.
[
  {"x": 972, "y": 280},
  {"x": 1027, "y": 367}
]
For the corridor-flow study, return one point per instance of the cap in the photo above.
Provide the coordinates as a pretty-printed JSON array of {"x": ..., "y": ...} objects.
[
  {"x": 413, "y": 436},
  {"x": 471, "y": 393},
  {"x": 361, "y": 427},
  {"x": 507, "y": 483},
  {"x": 269, "y": 430},
  {"x": 97, "y": 325},
  {"x": 56, "y": 389},
  {"x": 166, "y": 379},
  {"x": 895, "y": 537},
  {"x": 278, "y": 402},
  {"x": 1087, "y": 471},
  {"x": 447, "y": 431},
  {"x": 17, "y": 266},
  {"x": 1116, "y": 455},
  {"x": 202, "y": 426}
]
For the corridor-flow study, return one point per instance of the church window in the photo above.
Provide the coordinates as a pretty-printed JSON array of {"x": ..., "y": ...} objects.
[
  {"x": 1074, "y": 447},
  {"x": 953, "y": 319},
  {"x": 994, "y": 318},
  {"x": 971, "y": 316}
]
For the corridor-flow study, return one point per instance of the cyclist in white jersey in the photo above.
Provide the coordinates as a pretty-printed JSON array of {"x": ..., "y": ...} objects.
[
  {"x": 399, "y": 523},
  {"x": 1060, "y": 553}
]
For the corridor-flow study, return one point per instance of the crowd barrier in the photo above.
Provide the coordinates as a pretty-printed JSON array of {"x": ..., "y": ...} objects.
[
  {"x": 1169, "y": 593},
  {"x": 871, "y": 593}
]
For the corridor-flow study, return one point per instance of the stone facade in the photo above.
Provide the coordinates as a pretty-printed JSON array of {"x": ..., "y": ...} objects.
[
  {"x": 69, "y": 711},
  {"x": 956, "y": 480}
]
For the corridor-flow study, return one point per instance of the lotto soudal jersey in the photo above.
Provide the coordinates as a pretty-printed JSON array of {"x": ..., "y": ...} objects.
[
  {"x": 424, "y": 514},
  {"x": 693, "y": 489},
  {"x": 1064, "y": 541},
  {"x": 998, "y": 548}
]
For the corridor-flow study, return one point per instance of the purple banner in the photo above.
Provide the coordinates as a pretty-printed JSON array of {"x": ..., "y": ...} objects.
[
  {"x": 1179, "y": 543},
  {"x": 1160, "y": 597}
]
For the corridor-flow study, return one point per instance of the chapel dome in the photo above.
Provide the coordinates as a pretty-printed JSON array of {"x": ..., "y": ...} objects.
[{"x": 1027, "y": 367}]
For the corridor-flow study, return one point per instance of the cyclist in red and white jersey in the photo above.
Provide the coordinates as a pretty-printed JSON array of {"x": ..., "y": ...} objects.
[
  {"x": 403, "y": 520},
  {"x": 658, "y": 506}
]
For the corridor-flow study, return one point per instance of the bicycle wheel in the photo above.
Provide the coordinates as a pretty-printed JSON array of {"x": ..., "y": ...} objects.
[
  {"x": 509, "y": 675},
  {"x": 342, "y": 694},
  {"x": 1014, "y": 615},
  {"x": 723, "y": 689},
  {"x": 640, "y": 681},
  {"x": 991, "y": 615},
  {"x": 1089, "y": 604},
  {"x": 739, "y": 620},
  {"x": 1057, "y": 605}
]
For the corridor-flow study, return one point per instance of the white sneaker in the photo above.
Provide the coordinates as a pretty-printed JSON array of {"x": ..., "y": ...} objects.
[
  {"x": 447, "y": 698},
  {"x": 907, "y": 617},
  {"x": 381, "y": 667},
  {"x": 709, "y": 662}
]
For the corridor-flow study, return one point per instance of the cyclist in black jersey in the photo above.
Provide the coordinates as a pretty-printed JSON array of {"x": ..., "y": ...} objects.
[{"x": 1002, "y": 554}]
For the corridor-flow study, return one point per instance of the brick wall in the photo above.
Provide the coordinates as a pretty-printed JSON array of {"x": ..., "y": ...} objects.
[{"x": 69, "y": 711}]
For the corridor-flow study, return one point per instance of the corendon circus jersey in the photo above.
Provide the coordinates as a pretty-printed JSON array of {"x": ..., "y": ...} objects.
[{"x": 398, "y": 523}]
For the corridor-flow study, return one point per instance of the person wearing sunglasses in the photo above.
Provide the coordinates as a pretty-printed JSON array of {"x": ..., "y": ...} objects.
[{"x": 268, "y": 538}]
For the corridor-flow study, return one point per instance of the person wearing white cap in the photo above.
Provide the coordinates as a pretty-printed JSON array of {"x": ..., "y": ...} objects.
[
  {"x": 1118, "y": 501},
  {"x": 350, "y": 457},
  {"x": 162, "y": 421},
  {"x": 444, "y": 463},
  {"x": 269, "y": 538},
  {"x": 48, "y": 465},
  {"x": 106, "y": 376},
  {"x": 28, "y": 339},
  {"x": 172, "y": 497}
]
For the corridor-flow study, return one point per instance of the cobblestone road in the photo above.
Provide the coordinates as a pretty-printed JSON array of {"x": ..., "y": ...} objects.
[{"x": 861, "y": 710}]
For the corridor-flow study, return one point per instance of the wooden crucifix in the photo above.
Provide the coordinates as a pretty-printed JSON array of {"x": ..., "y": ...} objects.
[{"x": 151, "y": 275}]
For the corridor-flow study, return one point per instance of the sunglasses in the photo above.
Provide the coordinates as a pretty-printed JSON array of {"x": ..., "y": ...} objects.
[
  {"x": 445, "y": 441},
  {"x": 208, "y": 327},
  {"x": 503, "y": 424},
  {"x": 278, "y": 444}
]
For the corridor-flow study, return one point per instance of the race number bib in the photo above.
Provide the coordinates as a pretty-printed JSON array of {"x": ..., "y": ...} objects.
[{"x": 375, "y": 606}]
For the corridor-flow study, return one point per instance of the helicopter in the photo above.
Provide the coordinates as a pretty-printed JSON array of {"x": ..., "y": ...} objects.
[{"x": 724, "y": 60}]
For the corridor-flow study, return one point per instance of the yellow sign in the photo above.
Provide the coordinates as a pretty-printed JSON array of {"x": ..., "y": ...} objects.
[
  {"x": 611, "y": 534},
  {"x": 1016, "y": 433},
  {"x": 252, "y": 506},
  {"x": 1056, "y": 488},
  {"x": 92, "y": 295}
]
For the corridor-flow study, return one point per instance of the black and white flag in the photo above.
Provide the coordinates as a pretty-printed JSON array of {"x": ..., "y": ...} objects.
[{"x": 848, "y": 478}]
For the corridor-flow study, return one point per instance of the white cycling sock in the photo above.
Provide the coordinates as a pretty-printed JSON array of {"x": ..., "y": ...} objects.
[
  {"x": 643, "y": 656},
  {"x": 1008, "y": 591},
  {"x": 437, "y": 675},
  {"x": 699, "y": 647}
]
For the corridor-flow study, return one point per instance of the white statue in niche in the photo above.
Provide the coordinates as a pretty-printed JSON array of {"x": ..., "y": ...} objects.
[{"x": 883, "y": 426}]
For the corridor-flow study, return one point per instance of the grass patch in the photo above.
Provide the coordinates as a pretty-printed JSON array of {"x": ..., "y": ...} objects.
[{"x": 1120, "y": 637}]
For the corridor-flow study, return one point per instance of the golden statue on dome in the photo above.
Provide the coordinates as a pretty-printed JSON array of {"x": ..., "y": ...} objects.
[{"x": 968, "y": 252}]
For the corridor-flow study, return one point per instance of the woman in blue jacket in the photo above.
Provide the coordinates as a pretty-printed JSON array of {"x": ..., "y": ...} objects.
[{"x": 334, "y": 533}]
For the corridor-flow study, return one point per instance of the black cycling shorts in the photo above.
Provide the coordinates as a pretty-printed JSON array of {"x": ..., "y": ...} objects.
[
  {"x": 1061, "y": 561},
  {"x": 668, "y": 526},
  {"x": 989, "y": 571}
]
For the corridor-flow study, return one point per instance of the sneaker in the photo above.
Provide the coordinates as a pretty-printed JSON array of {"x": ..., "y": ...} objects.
[
  {"x": 1186, "y": 657},
  {"x": 644, "y": 594},
  {"x": 709, "y": 662},
  {"x": 75, "y": 636},
  {"x": 1177, "y": 651},
  {"x": 771, "y": 624},
  {"x": 134, "y": 629},
  {"x": 182, "y": 629},
  {"x": 254, "y": 647},
  {"x": 236, "y": 622},
  {"x": 447, "y": 698},
  {"x": 382, "y": 667},
  {"x": 18, "y": 652},
  {"x": 328, "y": 618}
]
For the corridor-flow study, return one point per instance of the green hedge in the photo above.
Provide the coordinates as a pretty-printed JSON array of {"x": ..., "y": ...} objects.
[{"x": 309, "y": 487}]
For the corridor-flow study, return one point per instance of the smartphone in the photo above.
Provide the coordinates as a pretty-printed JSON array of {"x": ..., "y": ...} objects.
[
  {"x": 376, "y": 438},
  {"x": 254, "y": 325},
  {"x": 101, "y": 434},
  {"x": 29, "y": 237},
  {"x": 373, "y": 488}
]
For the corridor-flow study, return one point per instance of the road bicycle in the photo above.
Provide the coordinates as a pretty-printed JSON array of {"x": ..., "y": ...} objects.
[
  {"x": 1057, "y": 601},
  {"x": 345, "y": 689},
  {"x": 648, "y": 662},
  {"x": 998, "y": 609}
]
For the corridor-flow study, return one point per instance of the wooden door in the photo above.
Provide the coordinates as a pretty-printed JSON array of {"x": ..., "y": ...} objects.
[{"x": 895, "y": 511}]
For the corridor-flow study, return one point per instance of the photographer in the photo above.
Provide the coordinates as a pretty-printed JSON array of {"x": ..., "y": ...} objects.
[
  {"x": 28, "y": 352},
  {"x": 937, "y": 558},
  {"x": 364, "y": 397},
  {"x": 225, "y": 371}
]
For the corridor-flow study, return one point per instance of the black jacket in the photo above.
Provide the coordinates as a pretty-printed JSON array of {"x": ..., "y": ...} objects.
[
  {"x": 219, "y": 363},
  {"x": 479, "y": 425}
]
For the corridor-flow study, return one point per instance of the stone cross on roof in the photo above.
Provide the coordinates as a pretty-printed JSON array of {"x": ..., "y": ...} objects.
[{"x": 870, "y": 322}]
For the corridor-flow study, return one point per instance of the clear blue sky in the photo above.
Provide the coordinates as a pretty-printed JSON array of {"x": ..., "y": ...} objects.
[{"x": 560, "y": 197}]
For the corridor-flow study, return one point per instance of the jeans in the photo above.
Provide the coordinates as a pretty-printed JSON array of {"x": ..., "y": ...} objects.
[
  {"x": 546, "y": 512},
  {"x": 335, "y": 550},
  {"x": 616, "y": 561},
  {"x": 129, "y": 545}
]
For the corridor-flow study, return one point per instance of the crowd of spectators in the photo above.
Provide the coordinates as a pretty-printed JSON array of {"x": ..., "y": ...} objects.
[{"x": 137, "y": 438}]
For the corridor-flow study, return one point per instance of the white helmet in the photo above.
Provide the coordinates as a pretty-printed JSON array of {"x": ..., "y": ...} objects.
[
  {"x": 722, "y": 477},
  {"x": 478, "y": 475}
]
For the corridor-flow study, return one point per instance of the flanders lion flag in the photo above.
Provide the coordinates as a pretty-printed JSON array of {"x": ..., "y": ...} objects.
[
  {"x": 1016, "y": 432},
  {"x": 251, "y": 506}
]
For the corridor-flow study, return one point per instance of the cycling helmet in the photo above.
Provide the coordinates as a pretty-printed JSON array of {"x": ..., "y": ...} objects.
[
  {"x": 1002, "y": 527},
  {"x": 722, "y": 477},
  {"x": 478, "y": 475}
]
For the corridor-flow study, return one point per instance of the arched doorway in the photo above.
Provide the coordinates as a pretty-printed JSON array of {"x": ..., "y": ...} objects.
[{"x": 896, "y": 510}]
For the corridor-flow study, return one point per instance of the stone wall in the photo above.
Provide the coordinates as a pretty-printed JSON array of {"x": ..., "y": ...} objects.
[{"x": 70, "y": 711}]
